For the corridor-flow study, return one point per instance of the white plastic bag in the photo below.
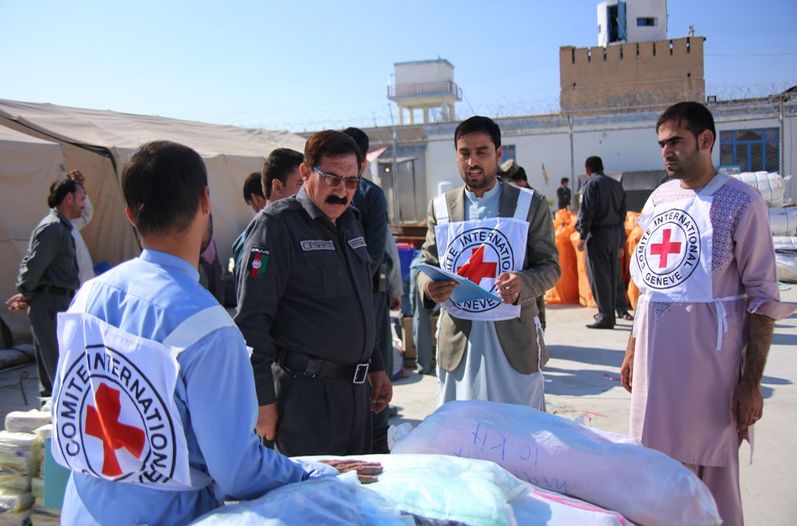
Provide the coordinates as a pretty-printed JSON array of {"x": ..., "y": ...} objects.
[
  {"x": 769, "y": 184},
  {"x": 334, "y": 501},
  {"x": 644, "y": 485},
  {"x": 786, "y": 258}
]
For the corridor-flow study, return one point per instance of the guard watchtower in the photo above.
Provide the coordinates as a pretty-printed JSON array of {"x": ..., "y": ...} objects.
[
  {"x": 425, "y": 85},
  {"x": 635, "y": 66}
]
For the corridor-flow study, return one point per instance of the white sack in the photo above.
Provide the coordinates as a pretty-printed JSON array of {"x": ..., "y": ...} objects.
[
  {"x": 769, "y": 184},
  {"x": 786, "y": 258},
  {"x": 644, "y": 485},
  {"x": 782, "y": 221}
]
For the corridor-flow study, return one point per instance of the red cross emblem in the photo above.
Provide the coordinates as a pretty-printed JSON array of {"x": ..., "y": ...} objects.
[
  {"x": 103, "y": 422},
  {"x": 665, "y": 248},
  {"x": 476, "y": 268}
]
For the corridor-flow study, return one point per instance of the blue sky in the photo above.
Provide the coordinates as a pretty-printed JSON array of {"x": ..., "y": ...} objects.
[{"x": 306, "y": 65}]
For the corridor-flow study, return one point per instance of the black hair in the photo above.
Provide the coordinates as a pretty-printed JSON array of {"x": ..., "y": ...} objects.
[
  {"x": 360, "y": 138},
  {"x": 162, "y": 186},
  {"x": 253, "y": 185},
  {"x": 694, "y": 116},
  {"x": 479, "y": 124},
  {"x": 60, "y": 189},
  {"x": 594, "y": 164},
  {"x": 280, "y": 163}
]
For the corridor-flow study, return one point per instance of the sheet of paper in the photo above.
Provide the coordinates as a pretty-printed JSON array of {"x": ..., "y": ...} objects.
[{"x": 466, "y": 290}]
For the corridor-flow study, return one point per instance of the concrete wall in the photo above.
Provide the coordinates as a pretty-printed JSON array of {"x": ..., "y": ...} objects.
[{"x": 625, "y": 142}]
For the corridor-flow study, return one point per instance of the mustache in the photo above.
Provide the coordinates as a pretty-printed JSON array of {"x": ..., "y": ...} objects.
[{"x": 335, "y": 200}]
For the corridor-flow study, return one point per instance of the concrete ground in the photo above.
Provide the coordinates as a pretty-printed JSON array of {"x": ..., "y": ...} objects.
[{"x": 582, "y": 378}]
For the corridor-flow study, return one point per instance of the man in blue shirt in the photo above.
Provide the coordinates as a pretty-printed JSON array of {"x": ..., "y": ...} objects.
[{"x": 116, "y": 440}]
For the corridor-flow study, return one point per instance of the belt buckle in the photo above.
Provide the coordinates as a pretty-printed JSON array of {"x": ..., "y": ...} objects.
[
  {"x": 313, "y": 367},
  {"x": 360, "y": 373}
]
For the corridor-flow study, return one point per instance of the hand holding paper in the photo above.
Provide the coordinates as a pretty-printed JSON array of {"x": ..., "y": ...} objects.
[{"x": 463, "y": 289}]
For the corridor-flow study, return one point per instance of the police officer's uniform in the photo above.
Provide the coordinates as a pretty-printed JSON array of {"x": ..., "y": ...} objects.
[
  {"x": 601, "y": 220},
  {"x": 48, "y": 277},
  {"x": 305, "y": 304}
]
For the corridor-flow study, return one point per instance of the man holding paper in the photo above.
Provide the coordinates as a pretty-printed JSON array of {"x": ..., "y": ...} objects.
[{"x": 499, "y": 237}]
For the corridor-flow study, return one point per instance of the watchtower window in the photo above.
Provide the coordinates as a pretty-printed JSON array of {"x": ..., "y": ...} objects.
[{"x": 646, "y": 21}]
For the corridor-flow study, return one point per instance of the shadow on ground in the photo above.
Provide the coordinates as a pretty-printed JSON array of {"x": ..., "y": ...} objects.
[{"x": 591, "y": 355}]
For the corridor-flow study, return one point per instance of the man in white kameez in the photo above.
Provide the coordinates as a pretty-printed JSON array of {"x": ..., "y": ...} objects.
[
  {"x": 501, "y": 238},
  {"x": 709, "y": 299}
]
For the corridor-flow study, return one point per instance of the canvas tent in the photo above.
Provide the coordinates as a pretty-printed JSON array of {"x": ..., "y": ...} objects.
[
  {"x": 27, "y": 166},
  {"x": 99, "y": 143}
]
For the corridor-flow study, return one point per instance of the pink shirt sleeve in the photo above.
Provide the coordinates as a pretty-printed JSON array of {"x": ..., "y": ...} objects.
[{"x": 756, "y": 259}]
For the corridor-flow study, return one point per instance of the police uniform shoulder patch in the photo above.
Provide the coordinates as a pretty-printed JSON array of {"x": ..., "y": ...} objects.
[
  {"x": 316, "y": 244},
  {"x": 258, "y": 261},
  {"x": 357, "y": 242}
]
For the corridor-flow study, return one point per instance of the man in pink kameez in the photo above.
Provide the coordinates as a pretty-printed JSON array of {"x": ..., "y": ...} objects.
[{"x": 706, "y": 269}]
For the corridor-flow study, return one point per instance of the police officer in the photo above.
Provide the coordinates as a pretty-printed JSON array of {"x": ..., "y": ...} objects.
[
  {"x": 160, "y": 368},
  {"x": 600, "y": 225},
  {"x": 49, "y": 275},
  {"x": 305, "y": 304},
  {"x": 370, "y": 201}
]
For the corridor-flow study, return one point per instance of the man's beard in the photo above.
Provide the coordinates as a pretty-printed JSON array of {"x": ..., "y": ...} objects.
[{"x": 208, "y": 235}]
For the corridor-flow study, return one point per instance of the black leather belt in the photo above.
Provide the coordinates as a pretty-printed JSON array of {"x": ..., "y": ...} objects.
[
  {"x": 319, "y": 368},
  {"x": 57, "y": 291}
]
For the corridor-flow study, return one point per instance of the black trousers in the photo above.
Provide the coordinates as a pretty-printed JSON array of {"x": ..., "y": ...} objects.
[
  {"x": 43, "y": 312},
  {"x": 322, "y": 416},
  {"x": 604, "y": 269},
  {"x": 380, "y": 422}
]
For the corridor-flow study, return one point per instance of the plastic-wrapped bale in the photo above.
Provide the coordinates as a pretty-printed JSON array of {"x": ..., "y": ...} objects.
[
  {"x": 769, "y": 184},
  {"x": 26, "y": 421},
  {"x": 644, "y": 485},
  {"x": 782, "y": 221},
  {"x": 18, "y": 452},
  {"x": 44, "y": 517},
  {"x": 39, "y": 514},
  {"x": 786, "y": 258},
  {"x": 15, "y": 507},
  {"x": 333, "y": 501}
]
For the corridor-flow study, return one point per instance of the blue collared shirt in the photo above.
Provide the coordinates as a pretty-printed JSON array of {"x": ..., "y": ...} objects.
[{"x": 149, "y": 296}]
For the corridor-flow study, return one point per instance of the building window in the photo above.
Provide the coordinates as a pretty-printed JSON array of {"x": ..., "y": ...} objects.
[
  {"x": 645, "y": 21},
  {"x": 751, "y": 150}
]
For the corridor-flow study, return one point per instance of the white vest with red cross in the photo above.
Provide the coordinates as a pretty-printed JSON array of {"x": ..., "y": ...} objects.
[
  {"x": 672, "y": 262},
  {"x": 114, "y": 414},
  {"x": 480, "y": 250}
]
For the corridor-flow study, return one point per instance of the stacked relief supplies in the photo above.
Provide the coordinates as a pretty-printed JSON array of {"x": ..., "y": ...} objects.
[
  {"x": 20, "y": 458},
  {"x": 782, "y": 219}
]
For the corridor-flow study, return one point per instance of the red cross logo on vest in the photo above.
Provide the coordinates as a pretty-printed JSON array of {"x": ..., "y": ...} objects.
[
  {"x": 103, "y": 422},
  {"x": 665, "y": 248},
  {"x": 476, "y": 268}
]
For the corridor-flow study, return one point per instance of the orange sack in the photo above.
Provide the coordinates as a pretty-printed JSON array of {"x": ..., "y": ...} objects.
[
  {"x": 584, "y": 290},
  {"x": 633, "y": 235},
  {"x": 566, "y": 289}
]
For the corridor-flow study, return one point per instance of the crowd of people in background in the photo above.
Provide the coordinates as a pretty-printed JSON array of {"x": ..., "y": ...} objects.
[{"x": 304, "y": 366}]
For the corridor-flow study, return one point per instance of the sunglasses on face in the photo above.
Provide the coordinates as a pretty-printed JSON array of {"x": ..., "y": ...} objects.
[{"x": 334, "y": 181}]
